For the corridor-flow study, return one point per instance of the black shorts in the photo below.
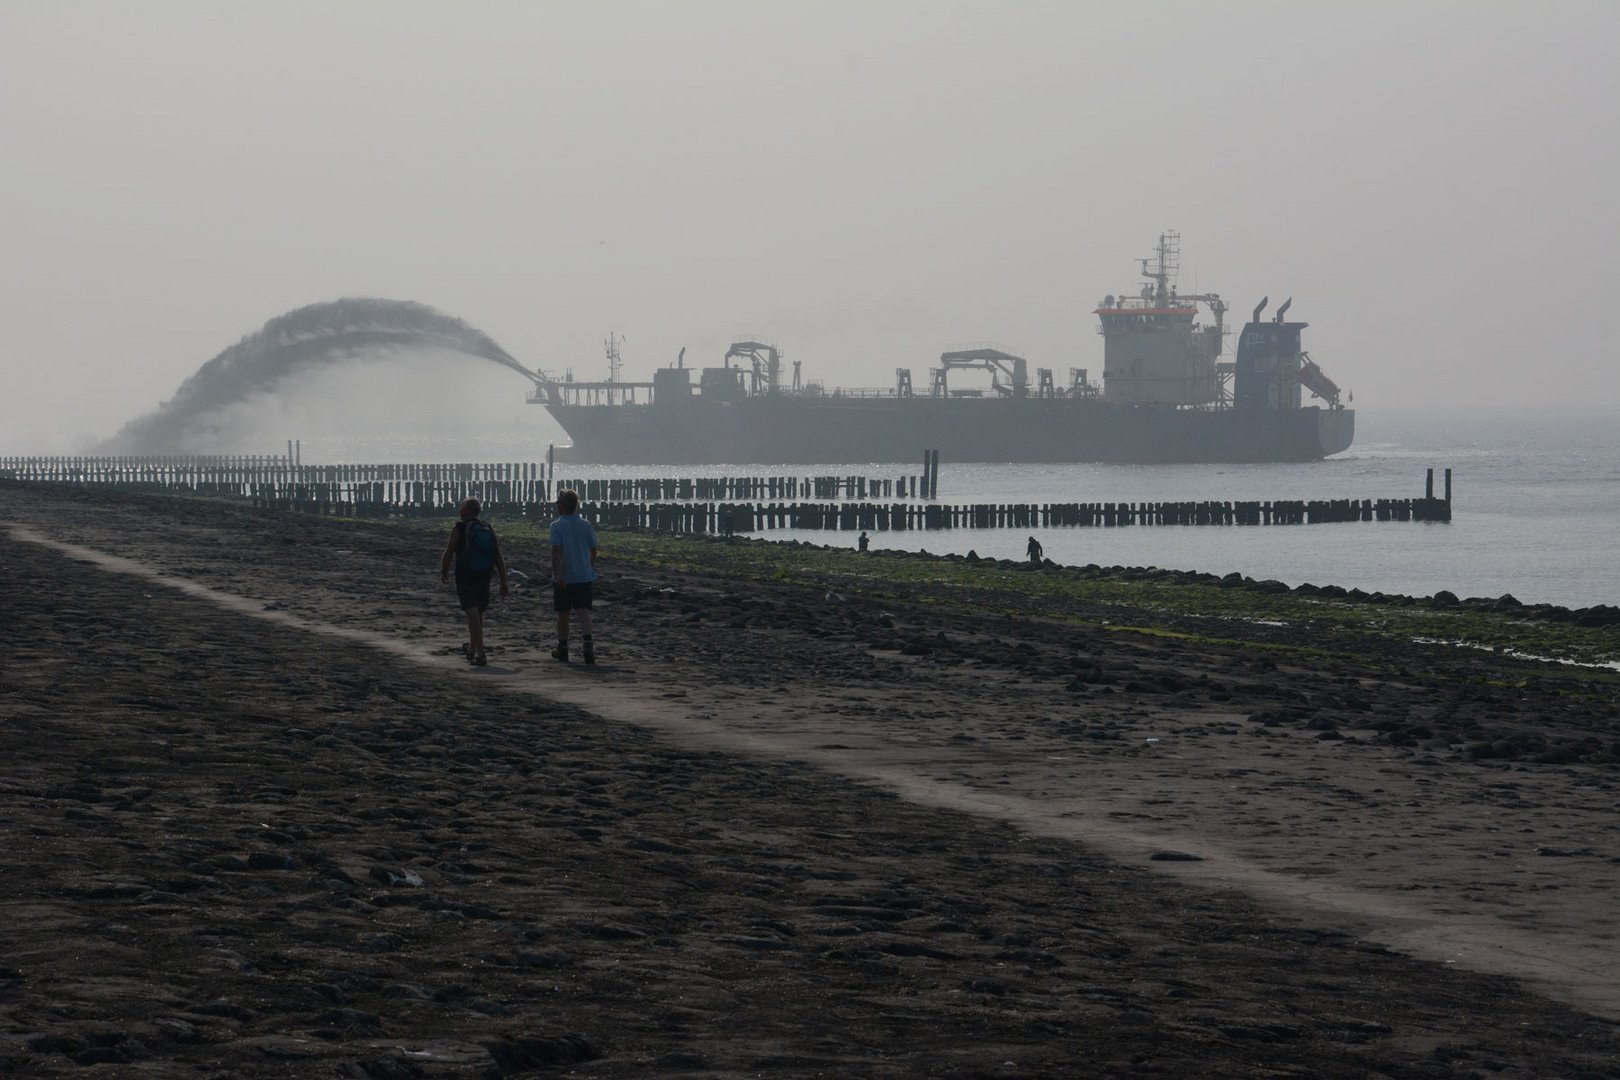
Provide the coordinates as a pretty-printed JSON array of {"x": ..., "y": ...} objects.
[
  {"x": 571, "y": 597},
  {"x": 472, "y": 590}
]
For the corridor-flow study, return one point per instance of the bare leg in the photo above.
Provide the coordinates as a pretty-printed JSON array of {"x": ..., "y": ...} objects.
[
  {"x": 475, "y": 630},
  {"x": 562, "y": 625},
  {"x": 585, "y": 629}
]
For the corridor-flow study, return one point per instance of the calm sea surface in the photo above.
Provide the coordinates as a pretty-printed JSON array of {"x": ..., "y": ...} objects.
[{"x": 1536, "y": 505}]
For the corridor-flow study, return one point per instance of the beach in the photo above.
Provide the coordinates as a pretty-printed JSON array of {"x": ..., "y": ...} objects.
[{"x": 263, "y": 820}]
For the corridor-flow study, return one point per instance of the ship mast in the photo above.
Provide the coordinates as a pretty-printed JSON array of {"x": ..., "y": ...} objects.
[
  {"x": 1169, "y": 264},
  {"x": 615, "y": 364}
]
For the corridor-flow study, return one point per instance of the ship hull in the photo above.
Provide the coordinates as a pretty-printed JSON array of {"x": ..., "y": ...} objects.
[{"x": 833, "y": 430}]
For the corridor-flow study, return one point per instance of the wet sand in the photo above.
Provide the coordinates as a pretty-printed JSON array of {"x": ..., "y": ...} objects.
[{"x": 261, "y": 820}]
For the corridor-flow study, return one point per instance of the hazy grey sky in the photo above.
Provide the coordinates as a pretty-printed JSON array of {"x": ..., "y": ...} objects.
[{"x": 865, "y": 183}]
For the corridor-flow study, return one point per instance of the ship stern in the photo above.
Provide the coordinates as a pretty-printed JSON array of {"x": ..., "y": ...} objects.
[{"x": 1335, "y": 430}]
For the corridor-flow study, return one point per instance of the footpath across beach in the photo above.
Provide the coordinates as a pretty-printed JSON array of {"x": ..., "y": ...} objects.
[{"x": 810, "y": 818}]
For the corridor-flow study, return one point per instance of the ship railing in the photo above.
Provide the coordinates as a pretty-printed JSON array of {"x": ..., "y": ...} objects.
[{"x": 850, "y": 392}]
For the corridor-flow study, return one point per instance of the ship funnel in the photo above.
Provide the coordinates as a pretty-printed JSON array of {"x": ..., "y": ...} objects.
[
  {"x": 1261, "y": 306},
  {"x": 1282, "y": 311}
]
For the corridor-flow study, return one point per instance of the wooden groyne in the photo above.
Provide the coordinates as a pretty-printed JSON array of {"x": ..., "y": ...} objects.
[
  {"x": 410, "y": 485},
  {"x": 730, "y": 488},
  {"x": 279, "y": 483},
  {"x": 729, "y": 518},
  {"x": 739, "y": 518},
  {"x": 719, "y": 505}
]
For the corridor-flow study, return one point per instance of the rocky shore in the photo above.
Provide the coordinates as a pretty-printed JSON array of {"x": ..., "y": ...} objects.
[{"x": 813, "y": 815}]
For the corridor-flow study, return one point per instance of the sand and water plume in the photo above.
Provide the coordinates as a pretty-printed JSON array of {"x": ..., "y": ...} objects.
[{"x": 305, "y": 348}]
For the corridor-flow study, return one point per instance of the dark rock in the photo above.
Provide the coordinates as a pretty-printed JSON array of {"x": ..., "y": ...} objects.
[
  {"x": 406, "y": 991},
  {"x": 227, "y": 1009},
  {"x": 1262, "y": 1032},
  {"x": 378, "y": 1069},
  {"x": 548, "y": 959},
  {"x": 394, "y": 878},
  {"x": 532, "y": 1052},
  {"x": 912, "y": 948},
  {"x": 352, "y": 1020},
  {"x": 646, "y": 843},
  {"x": 679, "y": 1060},
  {"x": 609, "y": 932},
  {"x": 101, "y": 1055}
]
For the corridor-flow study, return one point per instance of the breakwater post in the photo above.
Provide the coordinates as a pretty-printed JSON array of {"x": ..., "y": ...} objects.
[{"x": 930, "y": 474}]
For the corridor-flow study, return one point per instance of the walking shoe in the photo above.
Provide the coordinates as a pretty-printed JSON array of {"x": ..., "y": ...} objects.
[
  {"x": 479, "y": 660},
  {"x": 560, "y": 653},
  {"x": 590, "y": 653}
]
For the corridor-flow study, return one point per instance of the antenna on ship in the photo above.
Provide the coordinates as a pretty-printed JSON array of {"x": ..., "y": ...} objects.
[
  {"x": 615, "y": 364},
  {"x": 1168, "y": 265}
]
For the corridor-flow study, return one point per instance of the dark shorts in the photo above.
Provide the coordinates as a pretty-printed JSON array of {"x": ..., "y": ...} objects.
[
  {"x": 472, "y": 590},
  {"x": 571, "y": 597}
]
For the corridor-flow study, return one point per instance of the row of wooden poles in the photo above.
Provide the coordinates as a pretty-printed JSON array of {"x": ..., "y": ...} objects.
[
  {"x": 523, "y": 490},
  {"x": 730, "y": 518},
  {"x": 729, "y": 488},
  {"x": 740, "y": 518},
  {"x": 194, "y": 472},
  {"x": 435, "y": 485}
]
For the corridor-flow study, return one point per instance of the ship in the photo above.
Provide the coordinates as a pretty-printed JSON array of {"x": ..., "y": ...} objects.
[{"x": 1168, "y": 394}]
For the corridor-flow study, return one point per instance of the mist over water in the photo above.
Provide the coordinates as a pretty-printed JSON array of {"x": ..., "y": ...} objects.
[{"x": 207, "y": 411}]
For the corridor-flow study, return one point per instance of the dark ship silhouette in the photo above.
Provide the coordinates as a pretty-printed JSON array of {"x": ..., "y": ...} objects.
[{"x": 1166, "y": 395}]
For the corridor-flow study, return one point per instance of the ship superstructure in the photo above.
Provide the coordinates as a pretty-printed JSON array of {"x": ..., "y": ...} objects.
[{"x": 1155, "y": 352}]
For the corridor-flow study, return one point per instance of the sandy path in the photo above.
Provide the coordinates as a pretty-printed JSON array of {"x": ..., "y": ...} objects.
[{"x": 1270, "y": 821}]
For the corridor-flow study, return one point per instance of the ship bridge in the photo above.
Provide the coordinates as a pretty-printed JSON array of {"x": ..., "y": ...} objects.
[{"x": 1155, "y": 352}]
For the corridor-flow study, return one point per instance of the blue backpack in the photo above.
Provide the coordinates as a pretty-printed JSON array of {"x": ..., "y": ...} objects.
[{"x": 477, "y": 552}]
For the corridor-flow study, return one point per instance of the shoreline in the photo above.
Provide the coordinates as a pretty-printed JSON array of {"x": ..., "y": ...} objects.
[{"x": 1100, "y": 832}]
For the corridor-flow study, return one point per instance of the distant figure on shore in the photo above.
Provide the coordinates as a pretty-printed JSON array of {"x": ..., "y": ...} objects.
[
  {"x": 1034, "y": 550},
  {"x": 863, "y": 542},
  {"x": 476, "y": 552},
  {"x": 573, "y": 569}
]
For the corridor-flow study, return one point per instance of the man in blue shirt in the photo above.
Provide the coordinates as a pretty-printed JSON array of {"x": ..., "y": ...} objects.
[{"x": 573, "y": 568}]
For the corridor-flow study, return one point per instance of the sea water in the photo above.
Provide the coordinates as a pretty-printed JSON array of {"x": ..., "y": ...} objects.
[{"x": 1535, "y": 505}]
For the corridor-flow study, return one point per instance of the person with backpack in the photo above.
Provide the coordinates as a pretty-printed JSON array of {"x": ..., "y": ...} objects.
[{"x": 477, "y": 554}]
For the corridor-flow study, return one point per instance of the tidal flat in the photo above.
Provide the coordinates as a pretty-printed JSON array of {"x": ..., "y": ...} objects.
[{"x": 815, "y": 813}]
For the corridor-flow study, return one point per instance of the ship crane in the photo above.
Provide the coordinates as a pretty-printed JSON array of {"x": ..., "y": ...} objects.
[
  {"x": 1311, "y": 377},
  {"x": 765, "y": 362},
  {"x": 996, "y": 361},
  {"x": 545, "y": 387},
  {"x": 1316, "y": 381}
]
